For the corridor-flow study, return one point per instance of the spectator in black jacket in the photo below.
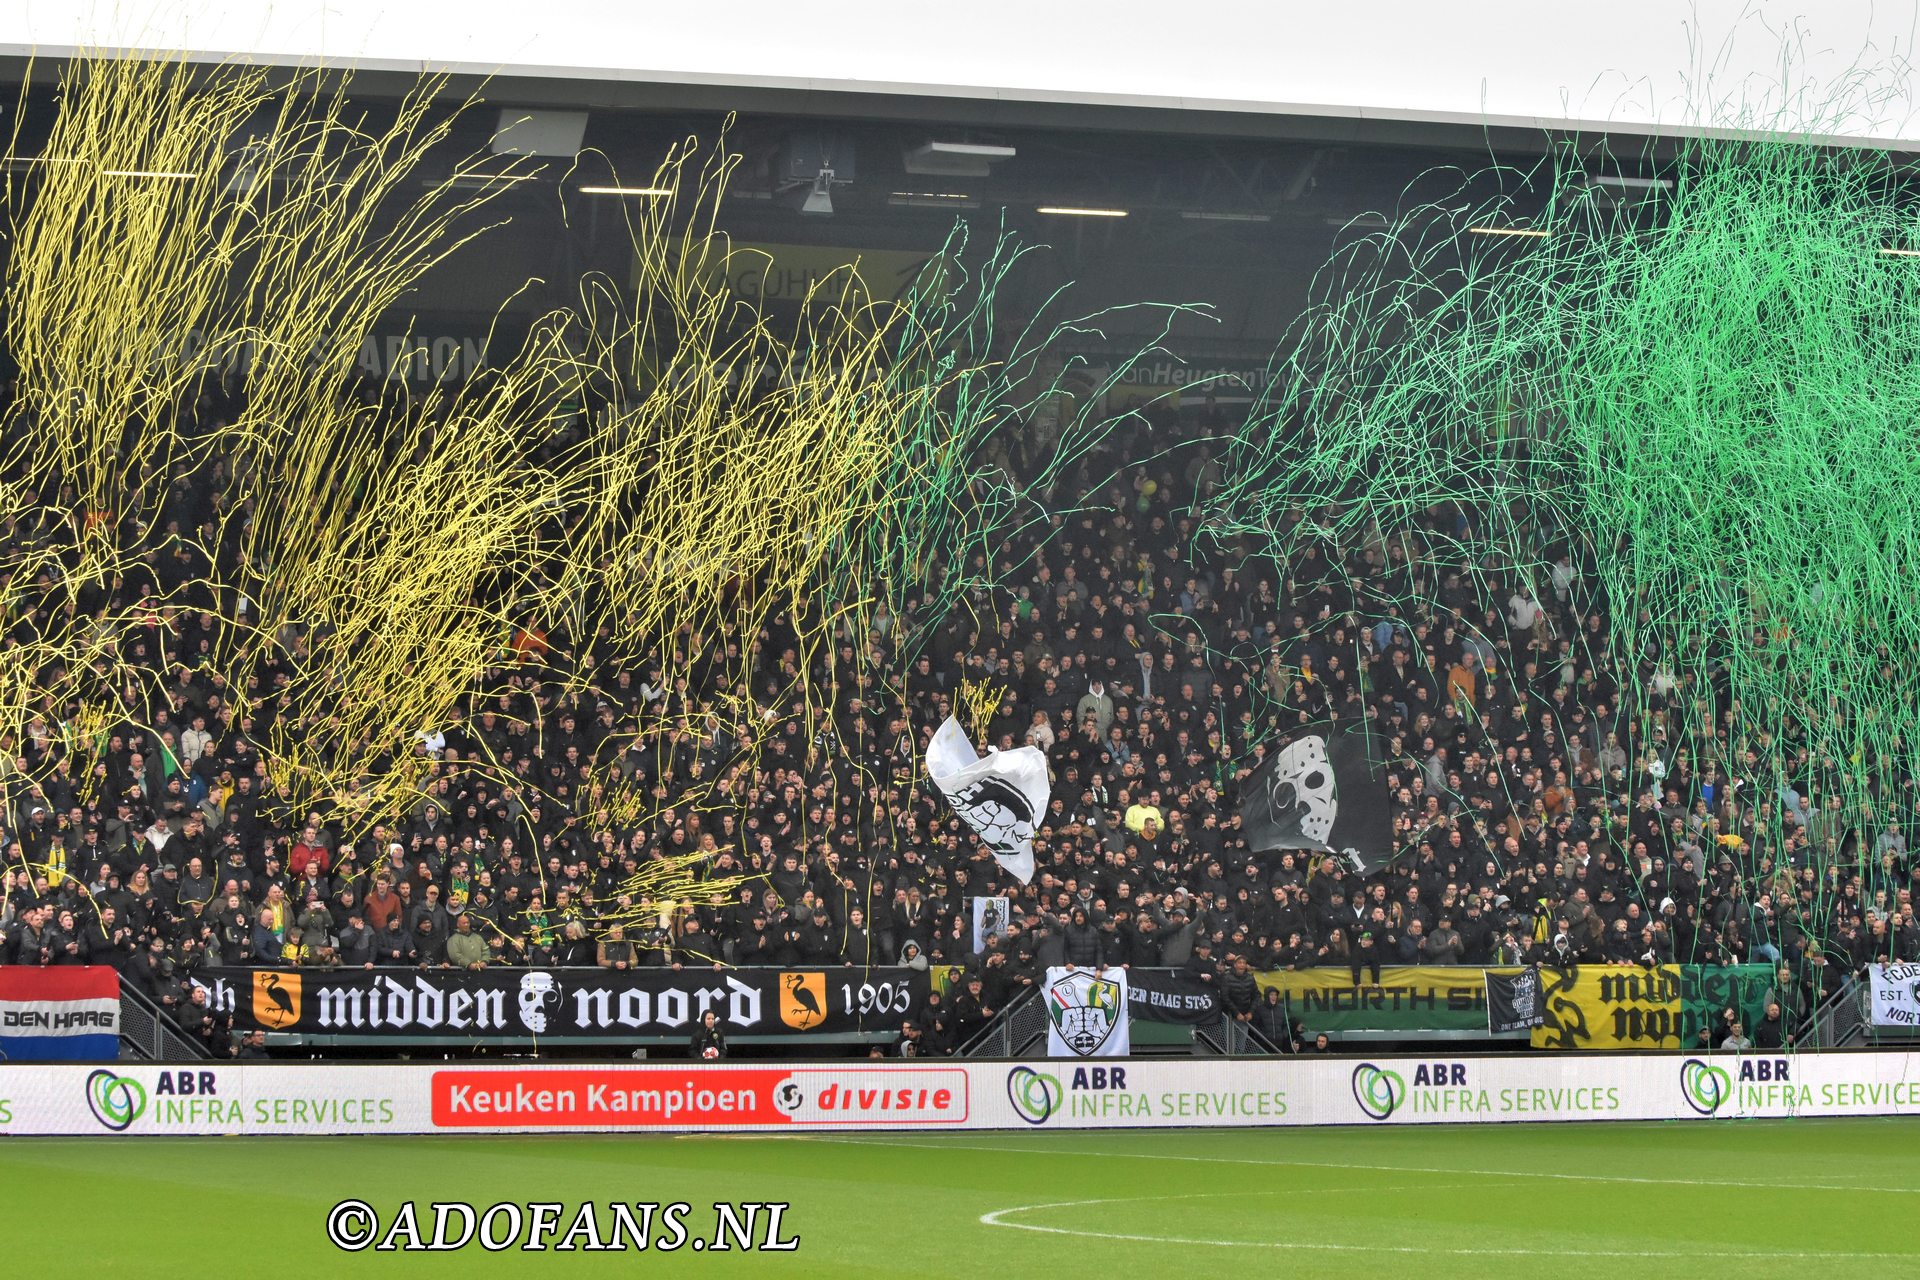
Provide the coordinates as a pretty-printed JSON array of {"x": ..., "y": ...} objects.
[
  {"x": 355, "y": 943},
  {"x": 393, "y": 946},
  {"x": 970, "y": 1009},
  {"x": 856, "y": 946},
  {"x": 1770, "y": 1032},
  {"x": 1270, "y": 1017},
  {"x": 1239, "y": 992},
  {"x": 429, "y": 946},
  {"x": 1201, "y": 966},
  {"x": 1142, "y": 941},
  {"x": 709, "y": 1040},
  {"x": 1082, "y": 940}
]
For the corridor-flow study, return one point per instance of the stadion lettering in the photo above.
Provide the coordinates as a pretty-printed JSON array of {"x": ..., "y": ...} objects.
[
  {"x": 432, "y": 349},
  {"x": 568, "y": 1003}
]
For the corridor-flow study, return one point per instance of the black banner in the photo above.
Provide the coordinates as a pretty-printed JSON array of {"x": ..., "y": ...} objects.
[
  {"x": 1322, "y": 789},
  {"x": 1171, "y": 995},
  {"x": 567, "y": 1004},
  {"x": 1514, "y": 1001}
]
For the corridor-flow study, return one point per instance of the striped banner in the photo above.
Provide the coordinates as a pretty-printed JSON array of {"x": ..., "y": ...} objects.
[{"x": 64, "y": 1013}]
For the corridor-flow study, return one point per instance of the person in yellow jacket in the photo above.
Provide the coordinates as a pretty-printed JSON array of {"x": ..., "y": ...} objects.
[
  {"x": 295, "y": 950},
  {"x": 1140, "y": 812}
]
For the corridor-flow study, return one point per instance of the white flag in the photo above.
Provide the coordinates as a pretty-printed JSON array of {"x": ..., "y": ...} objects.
[
  {"x": 1001, "y": 797},
  {"x": 1896, "y": 995}
]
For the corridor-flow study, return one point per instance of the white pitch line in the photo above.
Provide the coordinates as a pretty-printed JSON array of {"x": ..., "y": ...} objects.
[
  {"x": 997, "y": 1219},
  {"x": 1385, "y": 1168}
]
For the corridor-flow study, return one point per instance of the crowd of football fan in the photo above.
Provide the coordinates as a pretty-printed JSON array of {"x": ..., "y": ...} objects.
[{"x": 1535, "y": 822}]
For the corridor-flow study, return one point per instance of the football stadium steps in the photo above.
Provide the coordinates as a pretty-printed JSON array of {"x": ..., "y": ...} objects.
[
  {"x": 1020, "y": 1030},
  {"x": 148, "y": 1033}
]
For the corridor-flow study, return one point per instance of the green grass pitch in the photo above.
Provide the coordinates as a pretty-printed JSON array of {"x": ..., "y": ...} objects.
[{"x": 1809, "y": 1197}]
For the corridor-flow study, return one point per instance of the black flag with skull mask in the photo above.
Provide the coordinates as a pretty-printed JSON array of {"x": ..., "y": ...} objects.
[{"x": 1321, "y": 788}]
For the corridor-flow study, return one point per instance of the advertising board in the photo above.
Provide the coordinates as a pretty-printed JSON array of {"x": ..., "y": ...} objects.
[{"x": 134, "y": 1100}]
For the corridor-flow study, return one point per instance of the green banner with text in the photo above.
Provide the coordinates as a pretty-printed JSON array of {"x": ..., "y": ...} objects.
[
  {"x": 1410, "y": 999},
  {"x": 1589, "y": 1007}
]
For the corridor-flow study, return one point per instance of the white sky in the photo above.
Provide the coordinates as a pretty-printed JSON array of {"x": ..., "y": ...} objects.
[{"x": 1623, "y": 62}]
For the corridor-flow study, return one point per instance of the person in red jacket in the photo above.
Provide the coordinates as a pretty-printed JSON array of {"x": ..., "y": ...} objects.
[
  {"x": 311, "y": 847},
  {"x": 382, "y": 904}
]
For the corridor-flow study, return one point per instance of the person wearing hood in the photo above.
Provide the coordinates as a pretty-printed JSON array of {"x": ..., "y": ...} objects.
[
  {"x": 1272, "y": 1020},
  {"x": 1082, "y": 940}
]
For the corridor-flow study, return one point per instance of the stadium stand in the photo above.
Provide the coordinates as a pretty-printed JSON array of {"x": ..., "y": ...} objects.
[{"x": 1533, "y": 824}]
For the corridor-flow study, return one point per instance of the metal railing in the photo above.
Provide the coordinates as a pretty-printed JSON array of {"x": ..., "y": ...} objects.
[
  {"x": 1840, "y": 1019},
  {"x": 148, "y": 1032},
  {"x": 1017, "y": 1028},
  {"x": 1020, "y": 1030}
]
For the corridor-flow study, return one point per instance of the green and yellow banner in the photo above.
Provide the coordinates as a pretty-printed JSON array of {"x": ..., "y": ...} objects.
[
  {"x": 1586, "y": 1006},
  {"x": 1409, "y": 998}
]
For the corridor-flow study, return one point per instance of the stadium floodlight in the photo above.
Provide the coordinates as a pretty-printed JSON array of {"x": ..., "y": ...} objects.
[
  {"x": 979, "y": 150},
  {"x": 1623, "y": 180},
  {"x": 933, "y": 200},
  {"x": 956, "y": 159},
  {"x": 28, "y": 164}
]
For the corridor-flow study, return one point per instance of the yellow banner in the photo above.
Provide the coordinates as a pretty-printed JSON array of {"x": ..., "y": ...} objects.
[
  {"x": 1409, "y": 998},
  {"x": 1610, "y": 1007}
]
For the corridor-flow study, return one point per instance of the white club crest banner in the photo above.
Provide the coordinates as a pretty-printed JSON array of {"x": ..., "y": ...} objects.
[
  {"x": 1896, "y": 995},
  {"x": 1001, "y": 796},
  {"x": 1087, "y": 1013}
]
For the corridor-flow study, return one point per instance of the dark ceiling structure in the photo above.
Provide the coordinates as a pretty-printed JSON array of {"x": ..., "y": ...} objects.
[{"x": 1135, "y": 204}]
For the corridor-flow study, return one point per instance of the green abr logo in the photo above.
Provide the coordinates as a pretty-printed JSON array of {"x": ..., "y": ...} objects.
[
  {"x": 1378, "y": 1091},
  {"x": 1035, "y": 1097},
  {"x": 116, "y": 1101},
  {"x": 1704, "y": 1086}
]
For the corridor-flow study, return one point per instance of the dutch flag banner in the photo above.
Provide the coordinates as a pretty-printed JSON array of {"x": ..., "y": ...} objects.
[{"x": 63, "y": 1013}]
